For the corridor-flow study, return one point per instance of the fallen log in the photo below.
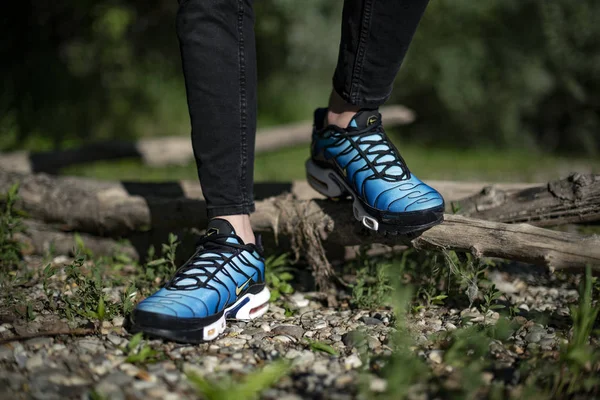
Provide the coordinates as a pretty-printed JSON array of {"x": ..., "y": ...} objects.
[
  {"x": 119, "y": 208},
  {"x": 311, "y": 222},
  {"x": 572, "y": 200},
  {"x": 314, "y": 224},
  {"x": 42, "y": 239},
  {"x": 173, "y": 150},
  {"x": 108, "y": 208},
  {"x": 39, "y": 238}
]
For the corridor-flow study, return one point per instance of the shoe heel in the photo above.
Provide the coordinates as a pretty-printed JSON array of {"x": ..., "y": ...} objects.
[
  {"x": 255, "y": 307},
  {"x": 321, "y": 180}
]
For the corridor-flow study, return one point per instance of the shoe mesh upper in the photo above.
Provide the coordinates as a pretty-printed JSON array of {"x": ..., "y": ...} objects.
[
  {"x": 210, "y": 280},
  {"x": 372, "y": 166}
]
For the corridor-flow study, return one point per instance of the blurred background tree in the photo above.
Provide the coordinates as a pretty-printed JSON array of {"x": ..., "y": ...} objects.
[
  {"x": 499, "y": 73},
  {"x": 509, "y": 73}
]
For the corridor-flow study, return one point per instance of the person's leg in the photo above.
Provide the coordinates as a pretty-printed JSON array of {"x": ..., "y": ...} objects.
[
  {"x": 351, "y": 155},
  {"x": 376, "y": 35},
  {"x": 219, "y": 64},
  {"x": 225, "y": 277}
]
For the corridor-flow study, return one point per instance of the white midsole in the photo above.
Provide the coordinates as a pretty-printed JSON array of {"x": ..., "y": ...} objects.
[{"x": 212, "y": 331}]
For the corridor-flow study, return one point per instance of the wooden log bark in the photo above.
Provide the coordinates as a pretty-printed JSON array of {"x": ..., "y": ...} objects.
[
  {"x": 572, "y": 200},
  {"x": 313, "y": 222},
  {"x": 174, "y": 150},
  {"x": 119, "y": 208},
  {"x": 100, "y": 207},
  {"x": 40, "y": 238},
  {"x": 108, "y": 208}
]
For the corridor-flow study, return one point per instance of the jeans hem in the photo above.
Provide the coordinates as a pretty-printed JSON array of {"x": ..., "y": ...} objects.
[{"x": 218, "y": 211}]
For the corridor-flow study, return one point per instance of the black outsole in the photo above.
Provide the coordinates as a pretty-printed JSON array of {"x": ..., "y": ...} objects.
[
  {"x": 187, "y": 337},
  {"x": 403, "y": 225},
  {"x": 193, "y": 334},
  {"x": 412, "y": 232},
  {"x": 408, "y": 231},
  {"x": 188, "y": 331}
]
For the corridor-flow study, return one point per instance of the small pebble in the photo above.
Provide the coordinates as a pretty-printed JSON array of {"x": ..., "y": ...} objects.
[
  {"x": 283, "y": 339},
  {"x": 371, "y": 321},
  {"x": 437, "y": 356},
  {"x": 533, "y": 337},
  {"x": 320, "y": 325},
  {"x": 352, "y": 362},
  {"x": 450, "y": 326},
  {"x": 34, "y": 362},
  {"x": 299, "y": 300},
  {"x": 378, "y": 385}
]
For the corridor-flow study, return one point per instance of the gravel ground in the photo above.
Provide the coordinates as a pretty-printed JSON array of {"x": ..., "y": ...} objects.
[{"x": 78, "y": 366}]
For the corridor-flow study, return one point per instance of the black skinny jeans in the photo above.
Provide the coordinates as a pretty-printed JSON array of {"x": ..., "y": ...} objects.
[{"x": 219, "y": 64}]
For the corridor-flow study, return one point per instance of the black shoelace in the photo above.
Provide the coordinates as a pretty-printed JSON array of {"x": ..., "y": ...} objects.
[
  {"x": 208, "y": 266},
  {"x": 396, "y": 159}
]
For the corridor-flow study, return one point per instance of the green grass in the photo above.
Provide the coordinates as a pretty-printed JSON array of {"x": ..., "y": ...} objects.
[
  {"x": 10, "y": 226},
  {"x": 139, "y": 352},
  {"x": 427, "y": 163},
  {"x": 279, "y": 275},
  {"x": 247, "y": 388}
]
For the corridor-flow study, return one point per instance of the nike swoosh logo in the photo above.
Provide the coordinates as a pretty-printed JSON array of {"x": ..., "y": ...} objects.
[{"x": 239, "y": 289}]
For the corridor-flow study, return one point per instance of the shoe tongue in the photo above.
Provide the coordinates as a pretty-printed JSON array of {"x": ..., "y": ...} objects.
[
  {"x": 219, "y": 226},
  {"x": 363, "y": 119}
]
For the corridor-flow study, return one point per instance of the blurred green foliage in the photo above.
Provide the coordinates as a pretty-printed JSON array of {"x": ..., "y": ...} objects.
[
  {"x": 85, "y": 70},
  {"x": 518, "y": 73},
  {"x": 501, "y": 73}
]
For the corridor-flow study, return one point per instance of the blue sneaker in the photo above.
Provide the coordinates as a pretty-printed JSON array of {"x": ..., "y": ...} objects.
[
  {"x": 360, "y": 161},
  {"x": 224, "y": 279}
]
